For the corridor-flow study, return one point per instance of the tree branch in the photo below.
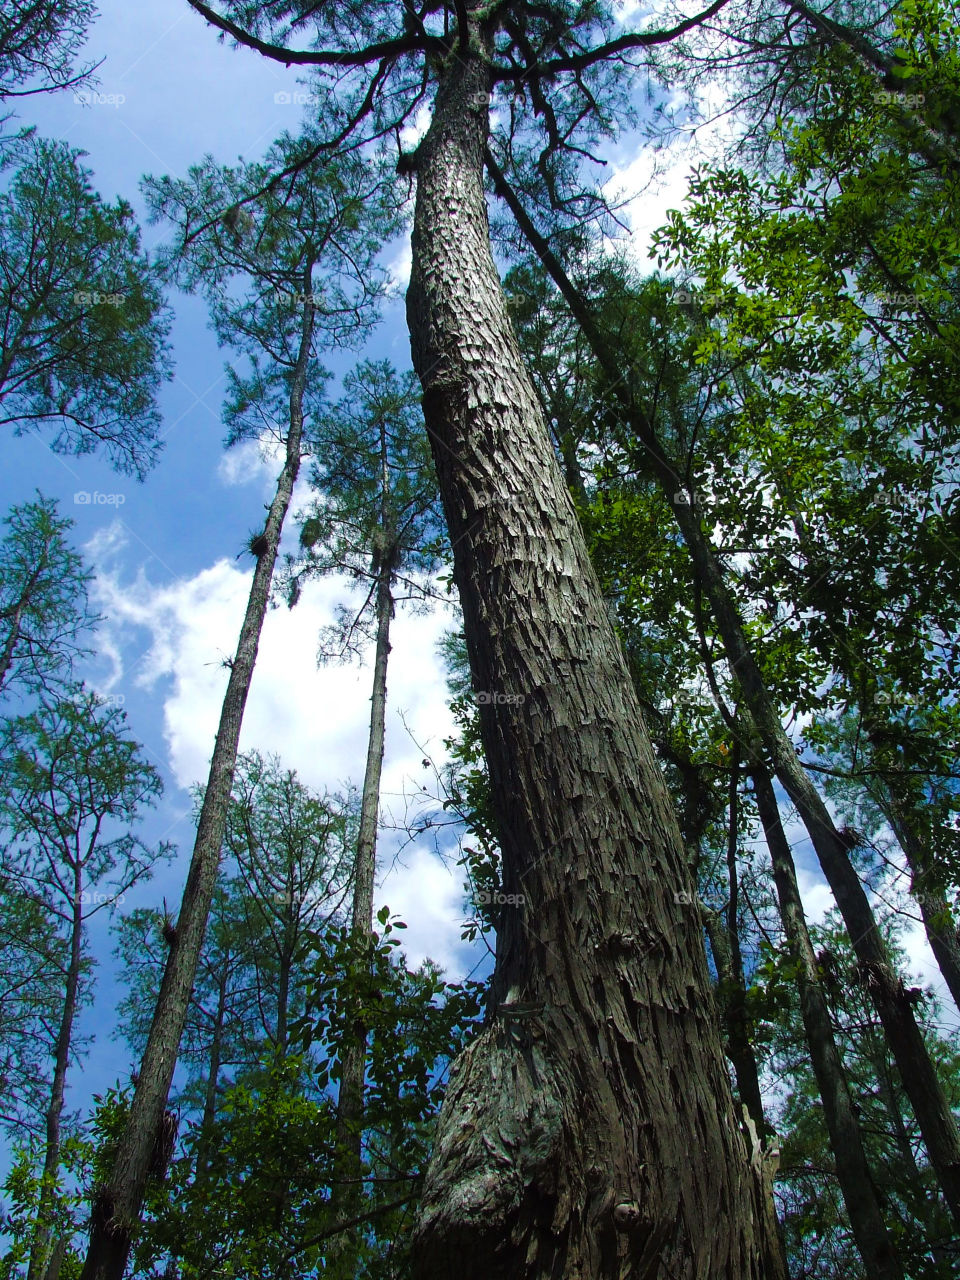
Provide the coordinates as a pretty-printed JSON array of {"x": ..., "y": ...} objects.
[
  {"x": 388, "y": 49},
  {"x": 612, "y": 49}
]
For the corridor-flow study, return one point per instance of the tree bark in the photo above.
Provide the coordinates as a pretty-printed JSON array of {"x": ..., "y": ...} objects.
[
  {"x": 117, "y": 1205},
  {"x": 589, "y": 1131},
  {"x": 853, "y": 1173},
  {"x": 40, "y": 1246}
]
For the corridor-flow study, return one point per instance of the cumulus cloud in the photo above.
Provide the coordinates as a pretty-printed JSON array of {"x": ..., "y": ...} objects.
[
  {"x": 655, "y": 180},
  {"x": 250, "y": 461},
  {"x": 316, "y": 720}
]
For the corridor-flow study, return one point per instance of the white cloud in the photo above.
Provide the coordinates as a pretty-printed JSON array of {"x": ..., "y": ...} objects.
[
  {"x": 398, "y": 268},
  {"x": 316, "y": 720},
  {"x": 412, "y": 134},
  {"x": 656, "y": 180},
  {"x": 428, "y": 896},
  {"x": 815, "y": 895},
  {"x": 249, "y": 461}
]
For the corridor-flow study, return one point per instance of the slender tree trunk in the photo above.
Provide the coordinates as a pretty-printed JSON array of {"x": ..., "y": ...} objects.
[
  {"x": 923, "y": 1087},
  {"x": 941, "y": 928},
  {"x": 118, "y": 1204},
  {"x": 589, "y": 1131},
  {"x": 922, "y": 1084},
  {"x": 354, "y": 1054},
  {"x": 40, "y": 1246},
  {"x": 213, "y": 1077},
  {"x": 57, "y": 1256},
  {"x": 734, "y": 987},
  {"x": 283, "y": 984},
  {"x": 15, "y": 619},
  {"x": 853, "y": 1173},
  {"x": 738, "y": 1046}
]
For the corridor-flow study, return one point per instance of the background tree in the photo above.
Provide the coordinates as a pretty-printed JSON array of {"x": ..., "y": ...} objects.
[
  {"x": 68, "y": 775},
  {"x": 376, "y": 516},
  {"x": 279, "y": 323},
  {"x": 39, "y": 43},
  {"x": 84, "y": 326},
  {"x": 43, "y": 598}
]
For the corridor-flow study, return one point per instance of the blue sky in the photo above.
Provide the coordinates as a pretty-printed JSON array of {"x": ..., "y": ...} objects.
[{"x": 168, "y": 580}]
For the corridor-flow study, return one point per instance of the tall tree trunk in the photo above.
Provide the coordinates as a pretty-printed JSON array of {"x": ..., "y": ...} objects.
[
  {"x": 920, "y": 1079},
  {"x": 354, "y": 1053},
  {"x": 938, "y": 921},
  {"x": 853, "y": 1173},
  {"x": 284, "y": 974},
  {"x": 589, "y": 1130},
  {"x": 937, "y": 1124},
  {"x": 734, "y": 990},
  {"x": 40, "y": 1245},
  {"x": 118, "y": 1204}
]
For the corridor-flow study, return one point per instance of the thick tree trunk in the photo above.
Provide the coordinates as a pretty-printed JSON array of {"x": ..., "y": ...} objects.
[
  {"x": 40, "y": 1246},
  {"x": 589, "y": 1131},
  {"x": 118, "y": 1204},
  {"x": 853, "y": 1173}
]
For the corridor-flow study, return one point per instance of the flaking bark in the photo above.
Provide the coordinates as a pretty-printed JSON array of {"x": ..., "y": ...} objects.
[{"x": 590, "y": 1130}]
